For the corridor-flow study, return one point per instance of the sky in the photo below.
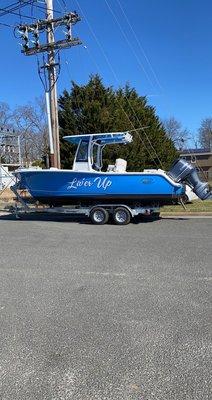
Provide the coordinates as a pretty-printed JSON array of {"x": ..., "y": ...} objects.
[{"x": 163, "y": 48}]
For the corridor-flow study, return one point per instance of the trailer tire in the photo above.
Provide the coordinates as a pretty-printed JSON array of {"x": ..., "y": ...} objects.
[
  {"x": 99, "y": 216},
  {"x": 121, "y": 216}
]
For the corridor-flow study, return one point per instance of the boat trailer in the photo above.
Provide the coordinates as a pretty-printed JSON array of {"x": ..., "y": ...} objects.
[
  {"x": 99, "y": 214},
  {"x": 181, "y": 172}
]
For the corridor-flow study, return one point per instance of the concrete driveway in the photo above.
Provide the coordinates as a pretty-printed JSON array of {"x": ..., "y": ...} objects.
[{"x": 105, "y": 312}]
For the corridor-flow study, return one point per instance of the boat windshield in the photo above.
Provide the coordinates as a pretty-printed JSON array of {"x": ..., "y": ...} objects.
[
  {"x": 82, "y": 153},
  {"x": 97, "y": 156}
]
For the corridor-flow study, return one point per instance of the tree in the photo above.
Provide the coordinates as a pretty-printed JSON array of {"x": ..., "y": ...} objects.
[
  {"x": 5, "y": 123},
  {"x": 93, "y": 108},
  {"x": 175, "y": 132},
  {"x": 5, "y": 116},
  {"x": 30, "y": 122},
  {"x": 205, "y": 133}
]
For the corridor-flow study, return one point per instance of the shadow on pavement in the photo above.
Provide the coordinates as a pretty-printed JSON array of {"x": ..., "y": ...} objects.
[
  {"x": 177, "y": 218},
  {"x": 45, "y": 217},
  {"x": 77, "y": 218}
]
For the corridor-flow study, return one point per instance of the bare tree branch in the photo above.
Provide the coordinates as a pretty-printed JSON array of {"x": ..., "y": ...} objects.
[
  {"x": 205, "y": 133},
  {"x": 176, "y": 132}
]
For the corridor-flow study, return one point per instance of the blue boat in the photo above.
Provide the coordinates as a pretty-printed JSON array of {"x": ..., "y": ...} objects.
[{"x": 86, "y": 183}]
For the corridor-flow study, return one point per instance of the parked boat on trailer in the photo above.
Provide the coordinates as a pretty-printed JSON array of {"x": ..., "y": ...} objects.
[{"x": 115, "y": 192}]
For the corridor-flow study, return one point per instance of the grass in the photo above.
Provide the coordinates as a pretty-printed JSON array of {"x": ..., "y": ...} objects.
[{"x": 195, "y": 207}]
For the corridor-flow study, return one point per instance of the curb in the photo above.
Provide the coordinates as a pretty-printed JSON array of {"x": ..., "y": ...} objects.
[{"x": 187, "y": 214}]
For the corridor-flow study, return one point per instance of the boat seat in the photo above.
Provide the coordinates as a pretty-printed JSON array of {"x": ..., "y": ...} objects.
[{"x": 120, "y": 165}]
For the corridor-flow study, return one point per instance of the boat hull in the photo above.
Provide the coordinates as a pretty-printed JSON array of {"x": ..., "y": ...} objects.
[{"x": 63, "y": 187}]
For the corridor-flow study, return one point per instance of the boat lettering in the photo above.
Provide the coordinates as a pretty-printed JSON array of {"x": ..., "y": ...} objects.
[
  {"x": 75, "y": 183},
  {"x": 100, "y": 183}
]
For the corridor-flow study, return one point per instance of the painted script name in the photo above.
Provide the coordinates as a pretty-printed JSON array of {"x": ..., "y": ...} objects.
[{"x": 100, "y": 183}]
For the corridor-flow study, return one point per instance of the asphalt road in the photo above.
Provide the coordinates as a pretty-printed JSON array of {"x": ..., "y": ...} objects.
[{"x": 105, "y": 312}]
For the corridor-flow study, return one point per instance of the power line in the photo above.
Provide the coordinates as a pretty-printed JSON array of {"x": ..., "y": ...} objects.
[
  {"x": 17, "y": 14},
  {"x": 64, "y": 5},
  {"x": 140, "y": 45},
  {"x": 16, "y": 6},
  {"x": 46, "y": 9},
  {"x": 135, "y": 130},
  {"x": 144, "y": 54},
  {"x": 7, "y": 25},
  {"x": 116, "y": 78},
  {"x": 13, "y": 4},
  {"x": 129, "y": 44}
]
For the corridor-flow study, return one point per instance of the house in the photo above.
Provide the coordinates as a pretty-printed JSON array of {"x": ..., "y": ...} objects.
[{"x": 202, "y": 158}]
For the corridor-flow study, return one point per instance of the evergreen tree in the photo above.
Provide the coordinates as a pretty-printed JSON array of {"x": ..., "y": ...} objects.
[{"x": 94, "y": 108}]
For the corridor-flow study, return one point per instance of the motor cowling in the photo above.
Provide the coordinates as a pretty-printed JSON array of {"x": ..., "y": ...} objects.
[{"x": 182, "y": 171}]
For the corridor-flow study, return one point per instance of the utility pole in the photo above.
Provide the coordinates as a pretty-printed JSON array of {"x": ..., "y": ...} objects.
[
  {"x": 52, "y": 87},
  {"x": 35, "y": 30}
]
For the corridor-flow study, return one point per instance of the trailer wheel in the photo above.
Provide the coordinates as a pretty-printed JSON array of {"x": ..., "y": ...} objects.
[
  {"x": 99, "y": 216},
  {"x": 121, "y": 216}
]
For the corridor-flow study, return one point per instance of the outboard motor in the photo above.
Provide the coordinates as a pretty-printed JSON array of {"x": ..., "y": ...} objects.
[{"x": 182, "y": 171}]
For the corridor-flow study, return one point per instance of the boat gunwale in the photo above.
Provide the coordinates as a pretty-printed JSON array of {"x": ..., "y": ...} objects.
[{"x": 109, "y": 173}]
